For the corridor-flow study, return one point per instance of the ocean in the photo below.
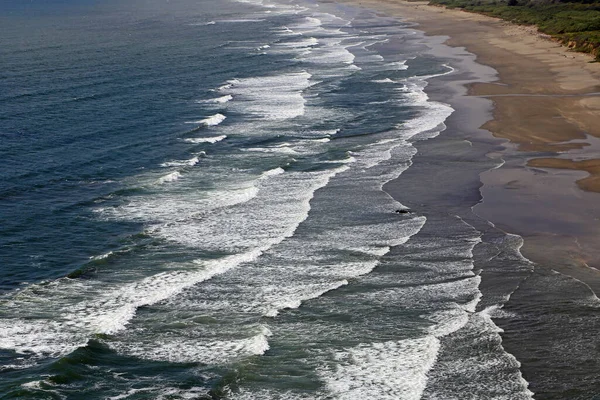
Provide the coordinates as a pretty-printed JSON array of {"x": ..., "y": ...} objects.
[{"x": 198, "y": 201}]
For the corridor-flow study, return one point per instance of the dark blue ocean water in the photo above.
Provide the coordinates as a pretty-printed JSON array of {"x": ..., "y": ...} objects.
[{"x": 192, "y": 206}]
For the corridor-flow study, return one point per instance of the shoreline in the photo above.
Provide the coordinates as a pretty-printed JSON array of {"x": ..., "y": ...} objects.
[
  {"x": 546, "y": 104},
  {"x": 524, "y": 109}
]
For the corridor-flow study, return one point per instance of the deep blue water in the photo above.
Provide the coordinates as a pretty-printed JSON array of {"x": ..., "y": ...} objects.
[
  {"x": 192, "y": 206},
  {"x": 89, "y": 100}
]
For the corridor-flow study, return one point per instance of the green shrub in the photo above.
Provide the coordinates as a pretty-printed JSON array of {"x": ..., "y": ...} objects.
[{"x": 570, "y": 21}]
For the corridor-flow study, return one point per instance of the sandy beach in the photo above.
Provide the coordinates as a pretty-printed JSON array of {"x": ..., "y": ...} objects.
[
  {"x": 546, "y": 103},
  {"x": 539, "y": 108}
]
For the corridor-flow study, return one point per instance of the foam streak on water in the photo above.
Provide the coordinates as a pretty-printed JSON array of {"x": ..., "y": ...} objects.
[
  {"x": 270, "y": 97},
  {"x": 210, "y": 121},
  {"x": 212, "y": 139}
]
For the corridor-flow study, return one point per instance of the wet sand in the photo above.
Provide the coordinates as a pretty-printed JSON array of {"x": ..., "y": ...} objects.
[
  {"x": 532, "y": 121},
  {"x": 546, "y": 102}
]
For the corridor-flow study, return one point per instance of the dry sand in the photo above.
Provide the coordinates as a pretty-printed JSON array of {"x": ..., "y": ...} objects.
[{"x": 547, "y": 104}]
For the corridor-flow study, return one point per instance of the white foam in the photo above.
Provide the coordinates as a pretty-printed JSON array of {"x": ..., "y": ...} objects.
[
  {"x": 274, "y": 149},
  {"x": 372, "y": 58},
  {"x": 213, "y": 120},
  {"x": 254, "y": 2},
  {"x": 180, "y": 163},
  {"x": 288, "y": 287},
  {"x": 203, "y": 23},
  {"x": 227, "y": 85},
  {"x": 220, "y": 100},
  {"x": 266, "y": 394},
  {"x": 316, "y": 42},
  {"x": 131, "y": 392},
  {"x": 213, "y": 139},
  {"x": 479, "y": 332},
  {"x": 301, "y": 45},
  {"x": 392, "y": 370},
  {"x": 386, "y": 80},
  {"x": 240, "y": 20},
  {"x": 194, "y": 393},
  {"x": 286, "y": 30},
  {"x": 272, "y": 172},
  {"x": 276, "y": 97},
  {"x": 308, "y": 24},
  {"x": 274, "y": 216},
  {"x": 23, "y": 364},
  {"x": 262, "y": 289},
  {"x": 331, "y": 52},
  {"x": 39, "y": 337},
  {"x": 388, "y": 370},
  {"x": 398, "y": 65},
  {"x": 32, "y": 384},
  {"x": 164, "y": 206},
  {"x": 376, "y": 153},
  {"x": 431, "y": 121},
  {"x": 294, "y": 300},
  {"x": 172, "y": 177},
  {"x": 102, "y": 256},
  {"x": 192, "y": 351}
]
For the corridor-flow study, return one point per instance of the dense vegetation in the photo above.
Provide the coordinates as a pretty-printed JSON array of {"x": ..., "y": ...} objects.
[{"x": 574, "y": 23}]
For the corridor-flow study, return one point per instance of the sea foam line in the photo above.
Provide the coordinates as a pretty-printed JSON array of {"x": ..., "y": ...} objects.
[
  {"x": 213, "y": 120},
  {"x": 180, "y": 163},
  {"x": 219, "y": 100},
  {"x": 213, "y": 139}
]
